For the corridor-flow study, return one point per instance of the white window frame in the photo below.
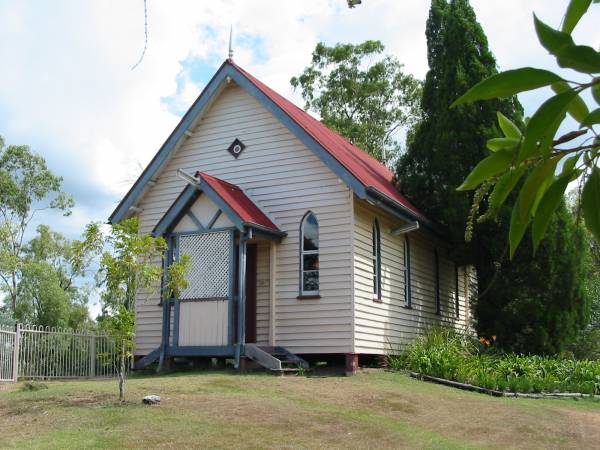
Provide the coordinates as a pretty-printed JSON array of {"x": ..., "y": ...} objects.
[{"x": 303, "y": 252}]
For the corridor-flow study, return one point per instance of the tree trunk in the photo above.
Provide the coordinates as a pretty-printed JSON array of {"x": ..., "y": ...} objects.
[{"x": 122, "y": 373}]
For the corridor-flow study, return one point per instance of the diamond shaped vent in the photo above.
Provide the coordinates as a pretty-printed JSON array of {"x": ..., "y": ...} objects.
[{"x": 236, "y": 148}]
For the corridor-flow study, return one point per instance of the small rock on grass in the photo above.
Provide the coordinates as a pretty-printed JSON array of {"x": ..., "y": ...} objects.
[{"x": 151, "y": 400}]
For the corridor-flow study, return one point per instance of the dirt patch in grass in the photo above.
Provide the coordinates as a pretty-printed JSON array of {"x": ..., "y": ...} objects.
[{"x": 220, "y": 410}]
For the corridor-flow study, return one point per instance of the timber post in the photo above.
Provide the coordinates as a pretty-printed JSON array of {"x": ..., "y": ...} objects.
[{"x": 351, "y": 364}]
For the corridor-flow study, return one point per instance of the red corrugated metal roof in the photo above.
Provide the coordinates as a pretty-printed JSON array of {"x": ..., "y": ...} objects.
[
  {"x": 370, "y": 172},
  {"x": 235, "y": 197}
]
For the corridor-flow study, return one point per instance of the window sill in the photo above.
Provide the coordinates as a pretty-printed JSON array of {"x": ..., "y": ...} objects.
[
  {"x": 377, "y": 300},
  {"x": 407, "y": 306},
  {"x": 308, "y": 297}
]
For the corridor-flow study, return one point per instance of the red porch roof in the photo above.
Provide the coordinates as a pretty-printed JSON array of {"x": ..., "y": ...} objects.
[{"x": 235, "y": 197}]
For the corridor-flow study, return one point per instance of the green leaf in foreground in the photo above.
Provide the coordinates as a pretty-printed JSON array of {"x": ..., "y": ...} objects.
[
  {"x": 591, "y": 119},
  {"x": 487, "y": 168},
  {"x": 575, "y": 10},
  {"x": 577, "y": 108},
  {"x": 543, "y": 125},
  {"x": 551, "y": 39},
  {"x": 504, "y": 187},
  {"x": 569, "y": 164},
  {"x": 589, "y": 203},
  {"x": 596, "y": 90},
  {"x": 550, "y": 201},
  {"x": 496, "y": 144},
  {"x": 509, "y": 129},
  {"x": 581, "y": 58},
  {"x": 521, "y": 213},
  {"x": 508, "y": 83}
]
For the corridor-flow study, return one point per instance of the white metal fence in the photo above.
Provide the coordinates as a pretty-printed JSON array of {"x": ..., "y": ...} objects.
[
  {"x": 7, "y": 354},
  {"x": 28, "y": 351}
]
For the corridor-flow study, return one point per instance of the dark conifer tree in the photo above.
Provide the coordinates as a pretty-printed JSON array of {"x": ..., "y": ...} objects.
[{"x": 527, "y": 302}]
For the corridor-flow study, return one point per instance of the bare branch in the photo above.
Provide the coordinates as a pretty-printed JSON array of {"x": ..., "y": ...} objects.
[{"x": 145, "y": 35}]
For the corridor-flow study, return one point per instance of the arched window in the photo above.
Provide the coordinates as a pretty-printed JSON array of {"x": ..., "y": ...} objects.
[
  {"x": 376, "y": 262},
  {"x": 309, "y": 255},
  {"x": 407, "y": 286}
]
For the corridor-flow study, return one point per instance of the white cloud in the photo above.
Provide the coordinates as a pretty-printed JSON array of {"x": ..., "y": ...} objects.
[{"x": 67, "y": 89}]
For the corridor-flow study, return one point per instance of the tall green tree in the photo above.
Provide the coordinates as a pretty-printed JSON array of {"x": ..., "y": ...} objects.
[
  {"x": 446, "y": 144},
  {"x": 529, "y": 303},
  {"x": 27, "y": 187},
  {"x": 361, "y": 94},
  {"x": 52, "y": 289}
]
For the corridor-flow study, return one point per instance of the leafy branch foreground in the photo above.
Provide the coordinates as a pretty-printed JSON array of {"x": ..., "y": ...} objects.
[
  {"x": 536, "y": 154},
  {"x": 447, "y": 354}
]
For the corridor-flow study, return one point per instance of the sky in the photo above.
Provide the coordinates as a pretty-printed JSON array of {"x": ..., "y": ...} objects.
[{"x": 68, "y": 91}]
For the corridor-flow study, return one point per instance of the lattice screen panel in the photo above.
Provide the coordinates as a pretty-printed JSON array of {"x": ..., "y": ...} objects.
[{"x": 210, "y": 264}]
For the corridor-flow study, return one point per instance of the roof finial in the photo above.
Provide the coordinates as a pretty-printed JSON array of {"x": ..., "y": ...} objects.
[{"x": 230, "y": 42}]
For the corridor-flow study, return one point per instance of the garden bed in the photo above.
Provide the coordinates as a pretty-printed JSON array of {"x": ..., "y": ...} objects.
[
  {"x": 459, "y": 360},
  {"x": 496, "y": 393}
]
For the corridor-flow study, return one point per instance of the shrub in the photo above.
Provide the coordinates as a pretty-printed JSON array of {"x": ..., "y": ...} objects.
[{"x": 445, "y": 353}]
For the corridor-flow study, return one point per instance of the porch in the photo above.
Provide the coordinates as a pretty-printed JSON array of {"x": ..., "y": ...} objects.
[{"x": 227, "y": 309}]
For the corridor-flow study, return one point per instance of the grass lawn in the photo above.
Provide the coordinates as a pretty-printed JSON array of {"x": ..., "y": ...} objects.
[{"x": 374, "y": 409}]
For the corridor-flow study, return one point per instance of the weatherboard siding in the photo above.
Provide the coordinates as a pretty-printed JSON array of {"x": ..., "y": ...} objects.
[
  {"x": 386, "y": 326},
  {"x": 286, "y": 180}
]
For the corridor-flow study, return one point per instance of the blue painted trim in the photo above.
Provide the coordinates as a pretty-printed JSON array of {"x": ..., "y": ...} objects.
[
  {"x": 438, "y": 301},
  {"x": 214, "y": 230},
  {"x": 176, "y": 210},
  {"x": 148, "y": 359},
  {"x": 190, "y": 116},
  {"x": 227, "y": 70},
  {"x": 259, "y": 229},
  {"x": 222, "y": 204},
  {"x": 397, "y": 210},
  {"x": 209, "y": 350},
  {"x": 407, "y": 280},
  {"x": 196, "y": 221},
  {"x": 230, "y": 307},
  {"x": 214, "y": 219},
  {"x": 241, "y": 313}
]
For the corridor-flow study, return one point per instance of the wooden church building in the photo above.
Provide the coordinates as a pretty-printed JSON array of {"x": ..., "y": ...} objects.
[{"x": 300, "y": 244}]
